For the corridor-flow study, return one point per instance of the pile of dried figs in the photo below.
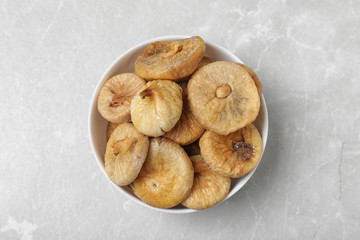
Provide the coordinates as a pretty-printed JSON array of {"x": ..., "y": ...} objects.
[{"x": 181, "y": 126}]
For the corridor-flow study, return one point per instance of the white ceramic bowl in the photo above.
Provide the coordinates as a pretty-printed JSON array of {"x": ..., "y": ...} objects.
[{"x": 125, "y": 63}]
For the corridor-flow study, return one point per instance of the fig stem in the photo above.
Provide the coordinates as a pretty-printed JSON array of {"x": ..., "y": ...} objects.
[
  {"x": 244, "y": 149},
  {"x": 117, "y": 100},
  {"x": 174, "y": 50},
  {"x": 147, "y": 92}
]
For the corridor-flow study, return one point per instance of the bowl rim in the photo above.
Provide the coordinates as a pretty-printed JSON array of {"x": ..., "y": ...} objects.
[{"x": 93, "y": 102}]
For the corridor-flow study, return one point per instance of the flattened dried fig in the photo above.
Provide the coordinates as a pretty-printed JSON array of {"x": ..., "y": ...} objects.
[
  {"x": 209, "y": 188},
  {"x": 170, "y": 60},
  {"x": 223, "y": 97},
  {"x": 125, "y": 154},
  {"x": 167, "y": 175},
  {"x": 233, "y": 155},
  {"x": 116, "y": 95},
  {"x": 156, "y": 108}
]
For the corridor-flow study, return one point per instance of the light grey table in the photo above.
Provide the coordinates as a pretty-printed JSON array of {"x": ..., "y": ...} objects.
[{"x": 307, "y": 55}]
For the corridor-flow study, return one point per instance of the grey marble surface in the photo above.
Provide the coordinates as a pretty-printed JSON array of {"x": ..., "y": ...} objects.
[{"x": 307, "y": 55}]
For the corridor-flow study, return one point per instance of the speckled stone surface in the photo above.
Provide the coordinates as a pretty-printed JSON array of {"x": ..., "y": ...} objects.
[{"x": 307, "y": 55}]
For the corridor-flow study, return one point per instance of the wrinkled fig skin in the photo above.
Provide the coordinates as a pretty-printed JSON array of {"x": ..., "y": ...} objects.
[{"x": 172, "y": 60}]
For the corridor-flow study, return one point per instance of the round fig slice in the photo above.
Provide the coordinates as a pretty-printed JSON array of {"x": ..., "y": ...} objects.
[
  {"x": 187, "y": 129},
  {"x": 209, "y": 188},
  {"x": 233, "y": 155},
  {"x": 167, "y": 175},
  {"x": 156, "y": 108},
  {"x": 125, "y": 154},
  {"x": 116, "y": 95},
  {"x": 170, "y": 60},
  {"x": 223, "y": 97},
  {"x": 110, "y": 129},
  {"x": 254, "y": 77}
]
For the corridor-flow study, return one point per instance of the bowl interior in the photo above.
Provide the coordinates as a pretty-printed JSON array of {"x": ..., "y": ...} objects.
[{"x": 125, "y": 63}]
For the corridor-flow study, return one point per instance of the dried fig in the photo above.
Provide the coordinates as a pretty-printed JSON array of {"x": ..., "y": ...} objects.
[
  {"x": 125, "y": 154},
  {"x": 223, "y": 97},
  {"x": 209, "y": 188},
  {"x": 170, "y": 59},
  {"x": 167, "y": 175},
  {"x": 156, "y": 108},
  {"x": 115, "y": 97},
  {"x": 233, "y": 155}
]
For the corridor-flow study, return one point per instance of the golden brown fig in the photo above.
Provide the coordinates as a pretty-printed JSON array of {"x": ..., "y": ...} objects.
[
  {"x": 156, "y": 108},
  {"x": 110, "y": 129},
  {"x": 254, "y": 77},
  {"x": 187, "y": 129},
  {"x": 167, "y": 175},
  {"x": 233, "y": 155},
  {"x": 209, "y": 188},
  {"x": 125, "y": 154},
  {"x": 116, "y": 95},
  {"x": 170, "y": 59},
  {"x": 223, "y": 97}
]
